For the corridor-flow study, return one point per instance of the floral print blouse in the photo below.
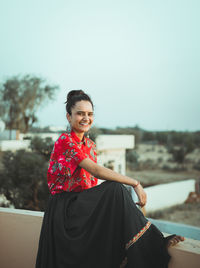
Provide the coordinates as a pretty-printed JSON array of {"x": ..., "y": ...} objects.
[{"x": 64, "y": 172}]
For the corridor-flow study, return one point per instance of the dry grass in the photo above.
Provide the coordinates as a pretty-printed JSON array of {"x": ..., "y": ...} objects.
[
  {"x": 157, "y": 176},
  {"x": 185, "y": 213}
]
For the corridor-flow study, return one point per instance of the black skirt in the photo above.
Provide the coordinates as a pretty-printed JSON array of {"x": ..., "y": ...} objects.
[{"x": 100, "y": 227}]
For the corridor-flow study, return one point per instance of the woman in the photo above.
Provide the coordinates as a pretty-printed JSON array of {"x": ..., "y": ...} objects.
[{"x": 88, "y": 225}]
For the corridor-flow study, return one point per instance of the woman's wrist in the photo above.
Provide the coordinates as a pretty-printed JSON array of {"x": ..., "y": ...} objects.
[{"x": 136, "y": 184}]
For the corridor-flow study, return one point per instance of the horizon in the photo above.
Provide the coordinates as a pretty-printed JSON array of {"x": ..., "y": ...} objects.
[{"x": 115, "y": 128}]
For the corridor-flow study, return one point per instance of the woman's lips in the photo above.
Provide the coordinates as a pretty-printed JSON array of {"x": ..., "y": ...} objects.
[{"x": 84, "y": 124}]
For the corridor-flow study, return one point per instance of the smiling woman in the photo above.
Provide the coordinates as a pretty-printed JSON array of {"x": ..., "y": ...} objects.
[{"x": 88, "y": 225}]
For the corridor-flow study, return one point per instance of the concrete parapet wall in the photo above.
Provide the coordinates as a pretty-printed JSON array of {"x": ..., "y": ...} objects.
[
  {"x": 185, "y": 254},
  {"x": 14, "y": 145},
  {"x": 107, "y": 142},
  {"x": 166, "y": 195},
  {"x": 185, "y": 230},
  {"x": 20, "y": 231}
]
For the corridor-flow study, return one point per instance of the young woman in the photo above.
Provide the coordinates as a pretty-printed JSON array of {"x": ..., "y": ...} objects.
[{"x": 87, "y": 225}]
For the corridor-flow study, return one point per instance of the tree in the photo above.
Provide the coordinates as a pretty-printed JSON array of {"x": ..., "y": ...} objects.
[
  {"x": 180, "y": 144},
  {"x": 42, "y": 146},
  {"x": 20, "y": 98},
  {"x": 23, "y": 179}
]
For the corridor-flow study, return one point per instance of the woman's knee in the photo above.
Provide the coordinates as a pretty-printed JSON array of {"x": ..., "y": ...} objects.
[{"x": 116, "y": 186}]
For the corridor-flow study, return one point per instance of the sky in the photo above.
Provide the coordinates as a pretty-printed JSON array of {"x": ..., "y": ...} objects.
[{"x": 138, "y": 60}]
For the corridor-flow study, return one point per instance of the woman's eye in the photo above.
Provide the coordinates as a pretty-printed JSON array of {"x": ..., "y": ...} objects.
[{"x": 83, "y": 114}]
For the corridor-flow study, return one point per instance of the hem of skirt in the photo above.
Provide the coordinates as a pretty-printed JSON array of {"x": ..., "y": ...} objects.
[
  {"x": 138, "y": 235},
  {"x": 124, "y": 263},
  {"x": 133, "y": 240}
]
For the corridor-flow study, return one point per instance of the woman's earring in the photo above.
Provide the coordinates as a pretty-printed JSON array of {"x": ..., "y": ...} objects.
[
  {"x": 88, "y": 135},
  {"x": 68, "y": 128}
]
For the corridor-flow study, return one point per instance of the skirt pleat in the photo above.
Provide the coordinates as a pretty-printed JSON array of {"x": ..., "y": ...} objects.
[{"x": 100, "y": 227}]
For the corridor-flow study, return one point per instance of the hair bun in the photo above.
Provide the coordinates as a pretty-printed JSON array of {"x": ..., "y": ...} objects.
[
  {"x": 74, "y": 96},
  {"x": 73, "y": 93}
]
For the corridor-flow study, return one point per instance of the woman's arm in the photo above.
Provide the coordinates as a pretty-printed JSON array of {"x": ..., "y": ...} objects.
[{"x": 108, "y": 174}]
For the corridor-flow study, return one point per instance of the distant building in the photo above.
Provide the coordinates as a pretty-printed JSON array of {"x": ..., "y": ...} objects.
[
  {"x": 57, "y": 128},
  {"x": 111, "y": 150}
]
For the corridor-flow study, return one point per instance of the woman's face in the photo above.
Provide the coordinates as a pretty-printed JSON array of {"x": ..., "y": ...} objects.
[{"x": 81, "y": 117}]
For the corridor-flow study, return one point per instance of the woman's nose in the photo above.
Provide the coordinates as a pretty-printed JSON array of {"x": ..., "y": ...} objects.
[{"x": 86, "y": 117}]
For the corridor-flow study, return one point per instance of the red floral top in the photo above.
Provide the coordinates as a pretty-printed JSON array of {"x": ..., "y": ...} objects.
[{"x": 64, "y": 173}]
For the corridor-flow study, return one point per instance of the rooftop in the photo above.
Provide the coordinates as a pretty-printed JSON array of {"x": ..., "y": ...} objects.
[{"x": 20, "y": 230}]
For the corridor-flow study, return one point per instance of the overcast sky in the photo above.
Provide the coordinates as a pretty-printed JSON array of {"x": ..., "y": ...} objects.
[{"x": 138, "y": 60}]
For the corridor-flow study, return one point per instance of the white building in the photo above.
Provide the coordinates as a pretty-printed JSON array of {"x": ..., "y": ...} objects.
[{"x": 111, "y": 150}]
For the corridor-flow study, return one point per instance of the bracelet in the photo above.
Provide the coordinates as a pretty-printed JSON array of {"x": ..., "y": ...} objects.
[{"x": 134, "y": 186}]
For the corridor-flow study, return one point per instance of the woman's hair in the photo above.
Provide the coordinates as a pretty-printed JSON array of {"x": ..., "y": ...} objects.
[{"x": 74, "y": 96}]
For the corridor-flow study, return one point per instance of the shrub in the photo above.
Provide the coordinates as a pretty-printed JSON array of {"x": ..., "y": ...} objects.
[
  {"x": 197, "y": 165},
  {"x": 23, "y": 176}
]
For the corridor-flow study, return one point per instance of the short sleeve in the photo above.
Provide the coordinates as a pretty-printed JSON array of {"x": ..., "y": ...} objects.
[{"x": 65, "y": 158}]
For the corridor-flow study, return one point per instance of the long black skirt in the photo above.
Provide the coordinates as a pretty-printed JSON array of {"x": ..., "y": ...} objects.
[{"x": 100, "y": 227}]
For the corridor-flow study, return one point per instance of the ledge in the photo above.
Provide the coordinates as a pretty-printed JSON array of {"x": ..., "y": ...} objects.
[
  {"x": 185, "y": 230},
  {"x": 22, "y": 227}
]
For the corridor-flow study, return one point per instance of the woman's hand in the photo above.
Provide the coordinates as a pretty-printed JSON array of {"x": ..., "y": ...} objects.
[
  {"x": 110, "y": 175},
  {"x": 142, "y": 196}
]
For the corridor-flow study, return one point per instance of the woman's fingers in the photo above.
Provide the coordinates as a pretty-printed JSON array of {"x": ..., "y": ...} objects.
[
  {"x": 141, "y": 203},
  {"x": 142, "y": 200},
  {"x": 141, "y": 195}
]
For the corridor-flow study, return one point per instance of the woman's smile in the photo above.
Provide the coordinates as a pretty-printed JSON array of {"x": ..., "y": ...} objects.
[{"x": 84, "y": 124}]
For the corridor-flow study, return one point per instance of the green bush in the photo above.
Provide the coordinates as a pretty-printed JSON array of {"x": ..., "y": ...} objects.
[
  {"x": 42, "y": 146},
  {"x": 197, "y": 165},
  {"x": 23, "y": 177},
  {"x": 132, "y": 156}
]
